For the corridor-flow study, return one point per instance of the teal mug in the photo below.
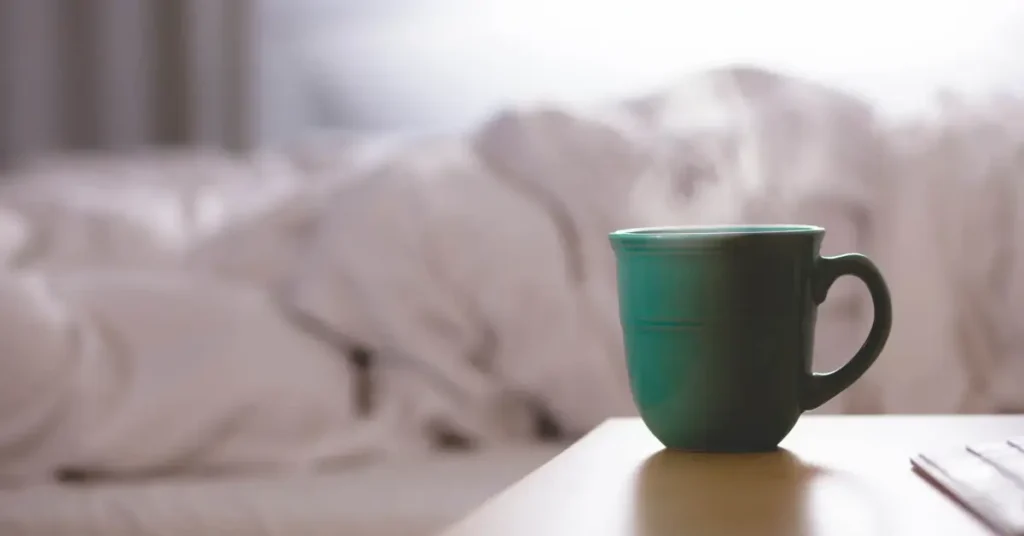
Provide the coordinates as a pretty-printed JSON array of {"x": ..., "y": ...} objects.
[{"x": 718, "y": 324}]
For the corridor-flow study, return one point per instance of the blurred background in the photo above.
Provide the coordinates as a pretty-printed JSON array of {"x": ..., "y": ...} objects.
[
  {"x": 230, "y": 299},
  {"x": 118, "y": 74}
]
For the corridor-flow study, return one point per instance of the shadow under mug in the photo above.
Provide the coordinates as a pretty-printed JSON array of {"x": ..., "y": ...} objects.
[
  {"x": 718, "y": 324},
  {"x": 759, "y": 493}
]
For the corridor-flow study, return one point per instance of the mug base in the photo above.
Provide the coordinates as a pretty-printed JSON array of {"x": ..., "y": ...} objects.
[{"x": 753, "y": 449}]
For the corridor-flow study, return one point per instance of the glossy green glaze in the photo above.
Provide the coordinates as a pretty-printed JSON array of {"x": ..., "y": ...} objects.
[{"x": 718, "y": 325}]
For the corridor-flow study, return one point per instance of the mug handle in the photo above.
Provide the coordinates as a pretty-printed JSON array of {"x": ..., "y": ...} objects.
[{"x": 819, "y": 388}]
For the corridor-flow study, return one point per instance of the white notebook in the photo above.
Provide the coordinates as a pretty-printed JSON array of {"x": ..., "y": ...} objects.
[{"x": 988, "y": 479}]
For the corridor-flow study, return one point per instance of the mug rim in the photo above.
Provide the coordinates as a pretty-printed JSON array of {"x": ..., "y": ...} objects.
[{"x": 693, "y": 231}]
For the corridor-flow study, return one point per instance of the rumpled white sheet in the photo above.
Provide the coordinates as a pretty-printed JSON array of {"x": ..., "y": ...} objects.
[
  {"x": 196, "y": 313},
  {"x": 953, "y": 256}
]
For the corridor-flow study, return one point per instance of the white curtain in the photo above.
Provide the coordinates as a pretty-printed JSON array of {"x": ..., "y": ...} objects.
[{"x": 124, "y": 74}]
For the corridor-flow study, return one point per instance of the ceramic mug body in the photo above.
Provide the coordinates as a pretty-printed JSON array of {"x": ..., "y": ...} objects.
[{"x": 718, "y": 324}]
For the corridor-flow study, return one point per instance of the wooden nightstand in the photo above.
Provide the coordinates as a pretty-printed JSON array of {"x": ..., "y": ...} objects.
[{"x": 835, "y": 475}]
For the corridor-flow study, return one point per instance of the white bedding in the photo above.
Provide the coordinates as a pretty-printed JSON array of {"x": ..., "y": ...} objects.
[
  {"x": 412, "y": 497},
  {"x": 196, "y": 313}
]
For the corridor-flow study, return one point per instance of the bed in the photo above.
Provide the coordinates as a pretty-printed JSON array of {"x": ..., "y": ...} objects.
[
  {"x": 80, "y": 214},
  {"x": 406, "y": 498},
  {"x": 248, "y": 223}
]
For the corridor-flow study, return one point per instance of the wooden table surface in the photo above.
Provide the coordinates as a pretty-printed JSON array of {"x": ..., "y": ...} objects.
[{"x": 835, "y": 475}]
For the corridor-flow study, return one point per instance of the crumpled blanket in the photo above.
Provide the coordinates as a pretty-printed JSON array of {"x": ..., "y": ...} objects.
[
  {"x": 136, "y": 374},
  {"x": 307, "y": 308}
]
